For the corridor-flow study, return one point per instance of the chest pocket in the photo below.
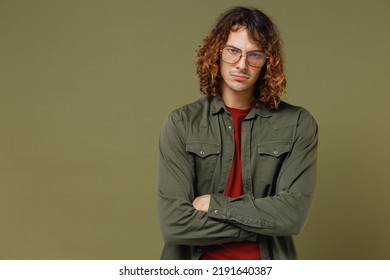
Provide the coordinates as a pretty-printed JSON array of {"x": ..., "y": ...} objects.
[
  {"x": 270, "y": 159},
  {"x": 274, "y": 149},
  {"x": 205, "y": 158}
]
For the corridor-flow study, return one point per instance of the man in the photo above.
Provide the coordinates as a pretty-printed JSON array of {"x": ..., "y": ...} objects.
[{"x": 237, "y": 168}]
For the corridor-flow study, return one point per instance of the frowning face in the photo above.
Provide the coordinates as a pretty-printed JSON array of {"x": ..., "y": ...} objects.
[{"x": 240, "y": 77}]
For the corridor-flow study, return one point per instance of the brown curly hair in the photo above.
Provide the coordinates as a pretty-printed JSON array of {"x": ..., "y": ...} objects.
[{"x": 272, "y": 81}]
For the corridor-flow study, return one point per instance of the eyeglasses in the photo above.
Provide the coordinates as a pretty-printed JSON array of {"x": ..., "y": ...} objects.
[{"x": 232, "y": 55}]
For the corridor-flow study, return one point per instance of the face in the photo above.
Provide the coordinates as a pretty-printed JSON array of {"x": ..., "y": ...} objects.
[{"x": 240, "y": 78}]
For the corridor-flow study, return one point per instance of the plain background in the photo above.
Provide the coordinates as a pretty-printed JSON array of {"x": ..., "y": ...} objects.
[{"x": 86, "y": 85}]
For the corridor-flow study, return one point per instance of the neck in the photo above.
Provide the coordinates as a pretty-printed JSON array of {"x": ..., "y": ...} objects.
[{"x": 238, "y": 100}]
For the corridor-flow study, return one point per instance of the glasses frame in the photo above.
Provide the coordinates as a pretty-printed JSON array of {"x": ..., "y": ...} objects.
[{"x": 243, "y": 55}]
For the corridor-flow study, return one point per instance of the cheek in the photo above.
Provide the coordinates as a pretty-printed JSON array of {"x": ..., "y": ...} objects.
[{"x": 223, "y": 70}]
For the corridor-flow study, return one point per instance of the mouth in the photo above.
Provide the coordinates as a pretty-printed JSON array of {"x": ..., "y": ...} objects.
[{"x": 239, "y": 77}]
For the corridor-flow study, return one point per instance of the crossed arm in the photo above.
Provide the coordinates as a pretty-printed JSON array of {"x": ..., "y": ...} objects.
[{"x": 214, "y": 218}]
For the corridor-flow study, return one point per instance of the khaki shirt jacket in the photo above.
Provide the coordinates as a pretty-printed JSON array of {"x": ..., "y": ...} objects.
[{"x": 196, "y": 149}]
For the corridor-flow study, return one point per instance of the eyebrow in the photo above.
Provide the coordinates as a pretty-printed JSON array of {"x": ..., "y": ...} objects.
[{"x": 231, "y": 46}]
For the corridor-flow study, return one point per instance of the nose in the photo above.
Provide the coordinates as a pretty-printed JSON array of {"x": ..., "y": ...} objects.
[{"x": 242, "y": 63}]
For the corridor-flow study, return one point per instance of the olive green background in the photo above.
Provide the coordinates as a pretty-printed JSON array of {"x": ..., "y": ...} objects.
[{"x": 84, "y": 89}]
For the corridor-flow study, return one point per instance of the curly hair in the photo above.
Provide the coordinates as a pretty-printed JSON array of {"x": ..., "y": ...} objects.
[{"x": 272, "y": 81}]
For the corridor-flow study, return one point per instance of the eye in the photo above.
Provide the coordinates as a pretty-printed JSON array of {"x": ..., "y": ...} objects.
[
  {"x": 233, "y": 50},
  {"x": 256, "y": 55}
]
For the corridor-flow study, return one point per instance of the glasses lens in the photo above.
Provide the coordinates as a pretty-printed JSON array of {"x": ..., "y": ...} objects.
[
  {"x": 230, "y": 55},
  {"x": 256, "y": 59}
]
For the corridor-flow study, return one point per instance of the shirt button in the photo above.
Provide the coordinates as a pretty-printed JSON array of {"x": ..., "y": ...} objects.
[
  {"x": 202, "y": 153},
  {"x": 216, "y": 212},
  {"x": 230, "y": 127},
  {"x": 276, "y": 151}
]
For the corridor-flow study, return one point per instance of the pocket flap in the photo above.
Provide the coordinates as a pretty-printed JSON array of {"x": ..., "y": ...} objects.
[
  {"x": 203, "y": 149},
  {"x": 275, "y": 149}
]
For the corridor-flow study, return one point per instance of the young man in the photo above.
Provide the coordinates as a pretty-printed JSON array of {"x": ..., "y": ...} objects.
[{"x": 237, "y": 168}]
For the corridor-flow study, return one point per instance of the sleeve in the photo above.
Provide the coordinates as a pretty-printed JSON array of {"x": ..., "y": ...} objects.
[
  {"x": 286, "y": 212},
  {"x": 181, "y": 223}
]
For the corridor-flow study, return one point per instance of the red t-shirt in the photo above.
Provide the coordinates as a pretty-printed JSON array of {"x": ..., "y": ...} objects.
[{"x": 243, "y": 250}]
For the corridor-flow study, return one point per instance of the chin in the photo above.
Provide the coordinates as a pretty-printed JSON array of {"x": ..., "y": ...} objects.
[{"x": 240, "y": 89}]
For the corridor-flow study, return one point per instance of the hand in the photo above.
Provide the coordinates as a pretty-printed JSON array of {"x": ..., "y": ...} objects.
[{"x": 201, "y": 203}]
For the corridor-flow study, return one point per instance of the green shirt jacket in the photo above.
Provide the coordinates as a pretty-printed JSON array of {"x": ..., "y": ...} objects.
[{"x": 196, "y": 148}]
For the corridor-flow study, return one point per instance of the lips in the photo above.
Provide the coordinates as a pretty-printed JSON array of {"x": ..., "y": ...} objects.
[{"x": 239, "y": 77}]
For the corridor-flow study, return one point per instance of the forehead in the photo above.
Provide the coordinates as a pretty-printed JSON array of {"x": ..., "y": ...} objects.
[{"x": 240, "y": 38}]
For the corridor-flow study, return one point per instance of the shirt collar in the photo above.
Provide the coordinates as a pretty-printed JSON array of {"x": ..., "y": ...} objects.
[{"x": 217, "y": 105}]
